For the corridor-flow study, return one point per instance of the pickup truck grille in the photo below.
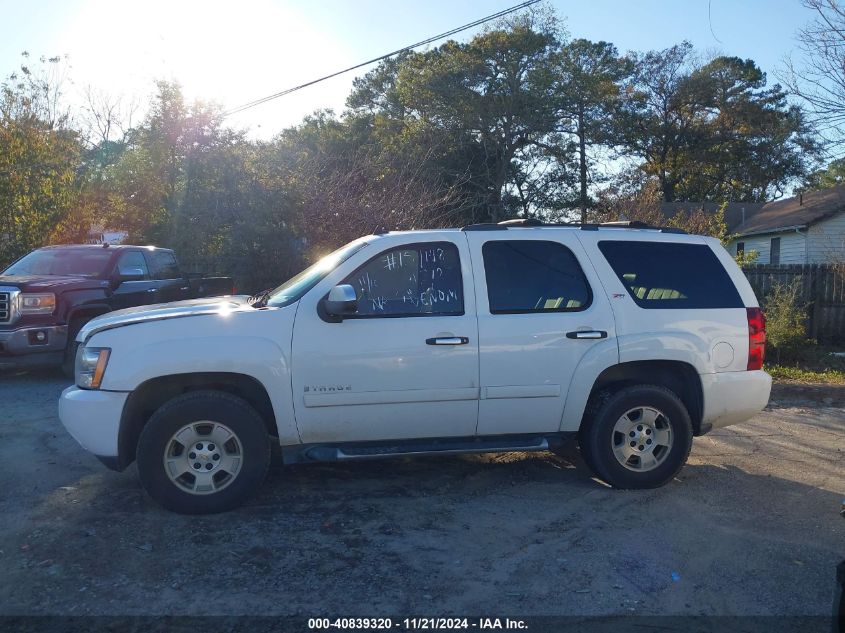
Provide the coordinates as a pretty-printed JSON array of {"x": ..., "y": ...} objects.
[{"x": 5, "y": 307}]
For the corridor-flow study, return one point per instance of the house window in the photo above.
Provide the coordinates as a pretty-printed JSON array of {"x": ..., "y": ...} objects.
[
  {"x": 740, "y": 248},
  {"x": 774, "y": 256}
]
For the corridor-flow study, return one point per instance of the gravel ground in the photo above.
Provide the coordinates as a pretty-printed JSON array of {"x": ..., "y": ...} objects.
[{"x": 749, "y": 527}]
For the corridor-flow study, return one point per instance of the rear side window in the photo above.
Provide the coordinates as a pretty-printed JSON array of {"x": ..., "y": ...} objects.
[
  {"x": 671, "y": 275},
  {"x": 131, "y": 261},
  {"x": 162, "y": 265},
  {"x": 525, "y": 276}
]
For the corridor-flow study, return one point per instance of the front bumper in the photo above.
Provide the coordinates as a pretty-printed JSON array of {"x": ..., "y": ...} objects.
[
  {"x": 93, "y": 419},
  {"x": 21, "y": 348},
  {"x": 733, "y": 396}
]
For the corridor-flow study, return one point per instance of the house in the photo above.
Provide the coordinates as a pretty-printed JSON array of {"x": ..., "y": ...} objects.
[{"x": 806, "y": 229}]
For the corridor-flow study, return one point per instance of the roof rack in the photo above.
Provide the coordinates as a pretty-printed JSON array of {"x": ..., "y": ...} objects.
[{"x": 587, "y": 226}]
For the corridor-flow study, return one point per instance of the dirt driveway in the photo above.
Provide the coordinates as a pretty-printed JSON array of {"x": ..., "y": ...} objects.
[{"x": 750, "y": 526}]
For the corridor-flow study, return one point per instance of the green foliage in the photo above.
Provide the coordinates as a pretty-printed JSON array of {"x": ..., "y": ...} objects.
[
  {"x": 185, "y": 181},
  {"x": 484, "y": 114},
  {"x": 746, "y": 258},
  {"x": 832, "y": 175},
  {"x": 39, "y": 153},
  {"x": 800, "y": 374},
  {"x": 785, "y": 314},
  {"x": 714, "y": 131},
  {"x": 811, "y": 363}
]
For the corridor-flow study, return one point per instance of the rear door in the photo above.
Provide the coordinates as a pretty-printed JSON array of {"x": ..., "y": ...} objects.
[
  {"x": 170, "y": 285},
  {"x": 540, "y": 310}
]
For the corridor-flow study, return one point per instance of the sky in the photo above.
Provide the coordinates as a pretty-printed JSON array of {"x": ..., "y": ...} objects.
[{"x": 234, "y": 52}]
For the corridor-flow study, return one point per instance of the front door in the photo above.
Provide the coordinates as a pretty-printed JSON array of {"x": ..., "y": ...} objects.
[
  {"x": 406, "y": 364},
  {"x": 540, "y": 311}
]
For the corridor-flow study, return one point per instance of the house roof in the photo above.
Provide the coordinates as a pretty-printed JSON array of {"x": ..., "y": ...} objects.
[
  {"x": 796, "y": 212},
  {"x": 754, "y": 218},
  {"x": 735, "y": 213}
]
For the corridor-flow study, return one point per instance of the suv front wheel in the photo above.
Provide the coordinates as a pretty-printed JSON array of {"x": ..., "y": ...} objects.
[
  {"x": 639, "y": 437},
  {"x": 203, "y": 452}
]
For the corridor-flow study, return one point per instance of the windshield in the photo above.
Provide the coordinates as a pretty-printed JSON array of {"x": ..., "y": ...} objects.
[
  {"x": 295, "y": 287},
  {"x": 75, "y": 262}
]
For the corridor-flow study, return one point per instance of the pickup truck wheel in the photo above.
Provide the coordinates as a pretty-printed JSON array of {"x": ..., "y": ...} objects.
[
  {"x": 640, "y": 437},
  {"x": 203, "y": 452},
  {"x": 69, "y": 360}
]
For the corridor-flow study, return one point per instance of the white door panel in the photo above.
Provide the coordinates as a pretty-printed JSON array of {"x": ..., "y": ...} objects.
[
  {"x": 526, "y": 359},
  {"x": 390, "y": 377}
]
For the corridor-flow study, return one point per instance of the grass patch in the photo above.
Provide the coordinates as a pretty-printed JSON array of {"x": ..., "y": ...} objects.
[{"x": 800, "y": 374}]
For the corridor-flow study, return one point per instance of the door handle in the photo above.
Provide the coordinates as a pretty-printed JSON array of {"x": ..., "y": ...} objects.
[
  {"x": 447, "y": 340},
  {"x": 151, "y": 290},
  {"x": 587, "y": 334}
]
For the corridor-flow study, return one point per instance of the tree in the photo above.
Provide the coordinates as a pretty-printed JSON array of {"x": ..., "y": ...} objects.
[
  {"x": 832, "y": 175},
  {"x": 345, "y": 189},
  {"x": 756, "y": 143},
  {"x": 819, "y": 78},
  {"x": 713, "y": 131},
  {"x": 39, "y": 156},
  {"x": 485, "y": 109},
  {"x": 661, "y": 118},
  {"x": 591, "y": 74}
]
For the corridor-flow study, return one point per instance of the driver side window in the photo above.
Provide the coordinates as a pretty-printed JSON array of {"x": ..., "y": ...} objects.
[
  {"x": 414, "y": 280},
  {"x": 130, "y": 261}
]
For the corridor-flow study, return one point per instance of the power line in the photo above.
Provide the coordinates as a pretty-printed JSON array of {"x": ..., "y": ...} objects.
[
  {"x": 710, "y": 20},
  {"x": 429, "y": 40}
]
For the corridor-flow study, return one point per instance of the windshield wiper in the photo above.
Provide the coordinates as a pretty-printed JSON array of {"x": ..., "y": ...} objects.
[{"x": 260, "y": 300}]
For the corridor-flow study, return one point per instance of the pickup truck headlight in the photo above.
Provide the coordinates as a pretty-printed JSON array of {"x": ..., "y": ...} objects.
[
  {"x": 32, "y": 303},
  {"x": 91, "y": 366}
]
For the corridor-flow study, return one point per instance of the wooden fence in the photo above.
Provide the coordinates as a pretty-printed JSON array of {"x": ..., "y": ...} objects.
[{"x": 822, "y": 290}]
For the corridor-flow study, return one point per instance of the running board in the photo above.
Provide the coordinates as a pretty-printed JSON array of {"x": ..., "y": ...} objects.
[{"x": 360, "y": 450}]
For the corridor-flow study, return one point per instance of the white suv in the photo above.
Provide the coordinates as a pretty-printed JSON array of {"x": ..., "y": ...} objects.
[{"x": 503, "y": 337}]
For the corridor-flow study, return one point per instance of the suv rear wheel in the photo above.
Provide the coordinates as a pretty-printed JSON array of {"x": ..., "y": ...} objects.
[
  {"x": 639, "y": 437},
  {"x": 203, "y": 452}
]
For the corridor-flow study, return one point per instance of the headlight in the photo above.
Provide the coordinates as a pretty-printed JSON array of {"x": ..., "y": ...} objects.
[
  {"x": 31, "y": 303},
  {"x": 91, "y": 366}
]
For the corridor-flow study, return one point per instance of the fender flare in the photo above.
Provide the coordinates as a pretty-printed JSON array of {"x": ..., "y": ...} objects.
[
  {"x": 598, "y": 358},
  {"x": 97, "y": 309},
  {"x": 605, "y": 356}
]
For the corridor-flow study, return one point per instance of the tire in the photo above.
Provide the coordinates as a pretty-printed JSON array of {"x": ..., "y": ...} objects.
[
  {"x": 657, "y": 450},
  {"x": 216, "y": 431},
  {"x": 69, "y": 360}
]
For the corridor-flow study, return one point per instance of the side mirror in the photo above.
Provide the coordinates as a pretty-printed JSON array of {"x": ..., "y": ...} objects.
[
  {"x": 130, "y": 274},
  {"x": 342, "y": 301}
]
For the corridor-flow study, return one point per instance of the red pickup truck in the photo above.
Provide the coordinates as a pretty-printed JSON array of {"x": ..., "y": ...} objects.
[{"x": 49, "y": 294}]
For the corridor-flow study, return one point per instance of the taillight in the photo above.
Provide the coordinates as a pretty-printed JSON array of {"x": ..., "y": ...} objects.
[
  {"x": 234, "y": 290},
  {"x": 756, "y": 338}
]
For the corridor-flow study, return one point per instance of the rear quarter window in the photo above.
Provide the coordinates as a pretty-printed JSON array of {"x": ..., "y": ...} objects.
[{"x": 671, "y": 275}]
